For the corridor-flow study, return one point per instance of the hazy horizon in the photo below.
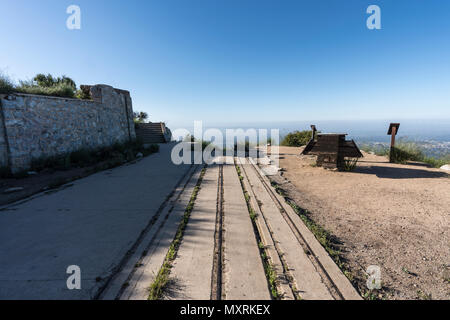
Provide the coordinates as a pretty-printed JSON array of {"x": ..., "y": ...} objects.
[{"x": 415, "y": 129}]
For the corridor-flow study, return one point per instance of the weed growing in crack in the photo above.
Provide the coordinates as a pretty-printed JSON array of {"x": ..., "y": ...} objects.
[{"x": 157, "y": 288}]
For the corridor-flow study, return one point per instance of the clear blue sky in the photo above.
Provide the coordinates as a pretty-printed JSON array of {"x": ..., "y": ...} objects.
[{"x": 256, "y": 60}]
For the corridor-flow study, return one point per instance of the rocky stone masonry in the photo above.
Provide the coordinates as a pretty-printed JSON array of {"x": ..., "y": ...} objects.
[{"x": 34, "y": 126}]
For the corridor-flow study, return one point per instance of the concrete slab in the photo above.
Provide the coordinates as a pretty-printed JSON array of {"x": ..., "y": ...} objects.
[
  {"x": 92, "y": 224},
  {"x": 135, "y": 276},
  {"x": 345, "y": 288},
  {"x": 192, "y": 269},
  {"x": 282, "y": 283},
  {"x": 243, "y": 275},
  {"x": 307, "y": 281},
  {"x": 157, "y": 249}
]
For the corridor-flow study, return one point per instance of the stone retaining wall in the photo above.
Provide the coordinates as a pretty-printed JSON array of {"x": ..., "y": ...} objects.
[{"x": 38, "y": 126}]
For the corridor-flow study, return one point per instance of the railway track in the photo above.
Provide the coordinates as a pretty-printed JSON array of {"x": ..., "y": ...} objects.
[
  {"x": 311, "y": 273},
  {"x": 237, "y": 240}
]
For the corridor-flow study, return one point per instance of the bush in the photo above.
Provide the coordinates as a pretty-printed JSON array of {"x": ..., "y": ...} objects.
[
  {"x": 437, "y": 162},
  {"x": 406, "y": 151},
  {"x": 44, "y": 85},
  {"x": 60, "y": 90},
  {"x": 350, "y": 164},
  {"x": 47, "y": 81},
  {"x": 6, "y": 85},
  {"x": 297, "y": 139},
  {"x": 114, "y": 155},
  {"x": 397, "y": 155},
  {"x": 140, "y": 117},
  {"x": 410, "y": 151},
  {"x": 84, "y": 93}
]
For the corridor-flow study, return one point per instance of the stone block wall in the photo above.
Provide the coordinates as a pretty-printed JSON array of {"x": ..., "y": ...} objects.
[{"x": 38, "y": 126}]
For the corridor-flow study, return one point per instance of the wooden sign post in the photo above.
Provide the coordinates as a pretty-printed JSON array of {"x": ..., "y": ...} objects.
[
  {"x": 314, "y": 131},
  {"x": 393, "y": 130}
]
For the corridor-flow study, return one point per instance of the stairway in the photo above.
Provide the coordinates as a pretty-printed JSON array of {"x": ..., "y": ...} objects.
[{"x": 151, "y": 132}]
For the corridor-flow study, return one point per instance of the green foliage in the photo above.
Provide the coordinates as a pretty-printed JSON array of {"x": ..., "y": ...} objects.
[
  {"x": 45, "y": 85},
  {"x": 410, "y": 151},
  {"x": 297, "y": 139},
  {"x": 370, "y": 295},
  {"x": 112, "y": 156},
  {"x": 140, "y": 117},
  {"x": 84, "y": 93},
  {"x": 405, "y": 151},
  {"x": 326, "y": 239},
  {"x": 43, "y": 80},
  {"x": 268, "y": 267},
  {"x": 62, "y": 90},
  {"x": 47, "y": 81},
  {"x": 424, "y": 296},
  {"x": 162, "y": 278},
  {"x": 437, "y": 162},
  {"x": 6, "y": 85},
  {"x": 350, "y": 164},
  {"x": 49, "y": 86}
]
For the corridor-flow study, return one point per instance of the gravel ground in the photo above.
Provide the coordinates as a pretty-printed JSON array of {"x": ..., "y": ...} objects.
[{"x": 393, "y": 216}]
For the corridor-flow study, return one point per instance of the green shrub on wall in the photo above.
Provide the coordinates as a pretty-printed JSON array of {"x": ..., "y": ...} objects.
[
  {"x": 45, "y": 85},
  {"x": 47, "y": 81},
  {"x": 60, "y": 90},
  {"x": 6, "y": 85}
]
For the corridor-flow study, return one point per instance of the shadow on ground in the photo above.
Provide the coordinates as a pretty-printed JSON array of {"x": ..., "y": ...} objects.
[{"x": 400, "y": 173}]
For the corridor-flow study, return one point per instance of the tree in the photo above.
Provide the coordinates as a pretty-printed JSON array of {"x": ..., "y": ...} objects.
[
  {"x": 43, "y": 80},
  {"x": 47, "y": 81},
  {"x": 140, "y": 117},
  {"x": 297, "y": 139},
  {"x": 67, "y": 81}
]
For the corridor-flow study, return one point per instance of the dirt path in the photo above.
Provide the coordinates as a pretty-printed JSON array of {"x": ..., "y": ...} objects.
[{"x": 393, "y": 216}]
